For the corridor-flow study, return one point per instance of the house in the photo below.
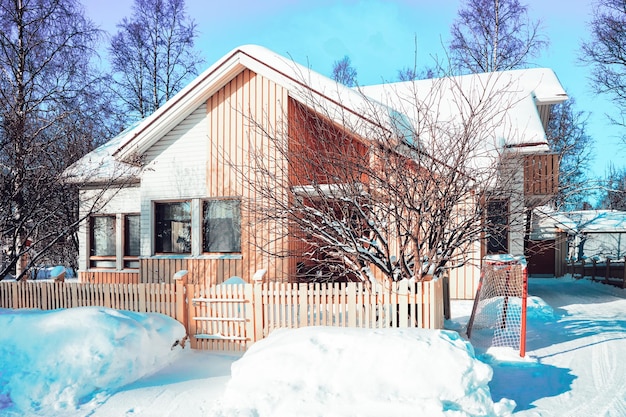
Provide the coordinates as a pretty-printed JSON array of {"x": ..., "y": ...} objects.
[
  {"x": 165, "y": 195},
  {"x": 583, "y": 235}
]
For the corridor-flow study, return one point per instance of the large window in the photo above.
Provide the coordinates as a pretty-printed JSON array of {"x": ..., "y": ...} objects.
[
  {"x": 497, "y": 226},
  {"x": 102, "y": 242},
  {"x": 172, "y": 227},
  {"x": 222, "y": 226}
]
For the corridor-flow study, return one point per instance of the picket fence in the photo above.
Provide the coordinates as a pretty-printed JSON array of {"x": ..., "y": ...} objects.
[{"x": 232, "y": 317}]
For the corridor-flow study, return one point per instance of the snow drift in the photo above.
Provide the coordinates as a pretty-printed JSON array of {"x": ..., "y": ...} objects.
[
  {"x": 327, "y": 371},
  {"x": 60, "y": 359}
]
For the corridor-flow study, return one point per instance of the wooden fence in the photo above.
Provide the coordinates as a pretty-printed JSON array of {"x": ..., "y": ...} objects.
[
  {"x": 232, "y": 317},
  {"x": 142, "y": 298},
  {"x": 610, "y": 272}
]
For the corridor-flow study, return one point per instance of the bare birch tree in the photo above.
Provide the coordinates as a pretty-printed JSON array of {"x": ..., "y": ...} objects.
[
  {"x": 344, "y": 72},
  {"x": 613, "y": 196},
  {"x": 567, "y": 136},
  {"x": 152, "y": 55},
  {"x": 494, "y": 35},
  {"x": 52, "y": 111},
  {"x": 606, "y": 52}
]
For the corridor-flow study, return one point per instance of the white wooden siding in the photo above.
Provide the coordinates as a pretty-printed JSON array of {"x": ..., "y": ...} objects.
[{"x": 174, "y": 169}]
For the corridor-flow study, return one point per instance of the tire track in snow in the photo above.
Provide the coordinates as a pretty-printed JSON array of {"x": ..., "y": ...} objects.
[{"x": 609, "y": 378}]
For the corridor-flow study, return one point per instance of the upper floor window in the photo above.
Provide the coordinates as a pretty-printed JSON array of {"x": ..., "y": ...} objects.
[
  {"x": 222, "y": 226},
  {"x": 172, "y": 227}
]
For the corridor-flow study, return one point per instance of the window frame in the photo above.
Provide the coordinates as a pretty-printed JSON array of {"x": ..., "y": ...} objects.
[
  {"x": 101, "y": 261},
  {"x": 237, "y": 249},
  {"x": 497, "y": 225},
  {"x": 155, "y": 230},
  {"x": 130, "y": 261},
  {"x": 118, "y": 261}
]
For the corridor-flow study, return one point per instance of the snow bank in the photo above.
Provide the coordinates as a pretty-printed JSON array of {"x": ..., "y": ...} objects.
[
  {"x": 62, "y": 358},
  {"x": 325, "y": 371}
]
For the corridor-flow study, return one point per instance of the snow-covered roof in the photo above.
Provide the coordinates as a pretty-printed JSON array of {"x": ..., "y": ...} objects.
[
  {"x": 507, "y": 102},
  {"x": 510, "y": 99},
  {"x": 546, "y": 221},
  {"x": 305, "y": 85},
  {"x": 597, "y": 221},
  {"x": 99, "y": 165}
]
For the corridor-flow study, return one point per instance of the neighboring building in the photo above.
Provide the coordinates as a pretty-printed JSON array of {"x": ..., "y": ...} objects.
[
  {"x": 576, "y": 236},
  {"x": 172, "y": 202}
]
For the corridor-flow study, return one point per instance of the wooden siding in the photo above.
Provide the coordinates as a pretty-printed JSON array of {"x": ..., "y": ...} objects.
[
  {"x": 239, "y": 117},
  {"x": 156, "y": 270},
  {"x": 319, "y": 151},
  {"x": 463, "y": 281},
  {"x": 112, "y": 277},
  {"x": 541, "y": 174},
  {"x": 174, "y": 165},
  {"x": 175, "y": 171}
]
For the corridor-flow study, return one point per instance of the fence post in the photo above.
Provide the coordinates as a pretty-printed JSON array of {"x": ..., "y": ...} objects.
[
  {"x": 180, "y": 278},
  {"x": 624, "y": 274},
  {"x": 608, "y": 271},
  {"x": 257, "y": 304},
  {"x": 593, "y": 273}
]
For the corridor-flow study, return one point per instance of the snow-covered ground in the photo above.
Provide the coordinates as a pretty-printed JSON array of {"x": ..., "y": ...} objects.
[{"x": 99, "y": 362}]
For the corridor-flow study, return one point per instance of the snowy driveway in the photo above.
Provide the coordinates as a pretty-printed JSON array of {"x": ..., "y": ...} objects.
[{"x": 580, "y": 370}]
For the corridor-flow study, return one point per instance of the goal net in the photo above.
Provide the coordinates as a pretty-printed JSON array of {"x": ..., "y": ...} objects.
[{"x": 499, "y": 312}]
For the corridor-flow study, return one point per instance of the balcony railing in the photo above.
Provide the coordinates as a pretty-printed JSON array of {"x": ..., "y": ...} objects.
[{"x": 541, "y": 174}]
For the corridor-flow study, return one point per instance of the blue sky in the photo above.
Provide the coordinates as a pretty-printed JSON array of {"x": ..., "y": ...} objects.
[{"x": 379, "y": 36}]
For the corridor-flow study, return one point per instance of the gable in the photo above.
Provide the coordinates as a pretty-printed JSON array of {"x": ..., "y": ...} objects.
[{"x": 174, "y": 167}]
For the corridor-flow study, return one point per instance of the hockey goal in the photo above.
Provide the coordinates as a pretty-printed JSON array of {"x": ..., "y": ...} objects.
[{"x": 499, "y": 312}]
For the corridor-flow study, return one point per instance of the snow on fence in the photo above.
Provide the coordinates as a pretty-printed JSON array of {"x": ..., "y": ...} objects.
[{"x": 232, "y": 317}]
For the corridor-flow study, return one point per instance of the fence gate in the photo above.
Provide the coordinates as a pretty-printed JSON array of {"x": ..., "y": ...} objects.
[{"x": 220, "y": 317}]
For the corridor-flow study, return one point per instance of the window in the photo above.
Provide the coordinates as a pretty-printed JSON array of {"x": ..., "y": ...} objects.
[
  {"x": 132, "y": 241},
  {"x": 102, "y": 242},
  {"x": 172, "y": 227},
  {"x": 110, "y": 250},
  {"x": 497, "y": 226},
  {"x": 222, "y": 226}
]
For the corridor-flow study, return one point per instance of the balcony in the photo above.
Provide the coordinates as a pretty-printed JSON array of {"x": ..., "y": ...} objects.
[{"x": 541, "y": 175}]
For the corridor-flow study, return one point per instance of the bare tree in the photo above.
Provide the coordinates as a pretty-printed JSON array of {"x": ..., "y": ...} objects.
[
  {"x": 344, "y": 72},
  {"x": 606, "y": 51},
  {"x": 379, "y": 195},
  {"x": 152, "y": 55},
  {"x": 614, "y": 193},
  {"x": 412, "y": 73},
  {"x": 494, "y": 35},
  {"x": 567, "y": 136},
  {"x": 51, "y": 113}
]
